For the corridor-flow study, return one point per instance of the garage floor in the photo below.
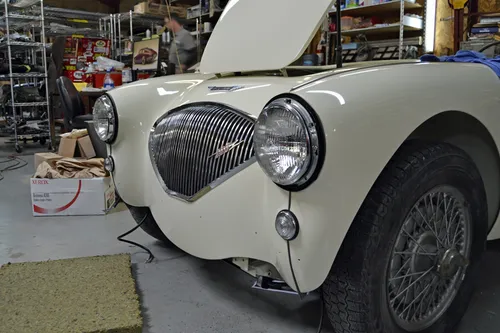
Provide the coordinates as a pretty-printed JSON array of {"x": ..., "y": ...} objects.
[{"x": 181, "y": 293}]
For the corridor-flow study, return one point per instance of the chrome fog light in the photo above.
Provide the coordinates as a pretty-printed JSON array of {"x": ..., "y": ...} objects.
[
  {"x": 109, "y": 164},
  {"x": 287, "y": 225}
]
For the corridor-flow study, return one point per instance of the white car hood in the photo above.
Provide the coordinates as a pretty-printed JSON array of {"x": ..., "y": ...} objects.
[{"x": 253, "y": 35}]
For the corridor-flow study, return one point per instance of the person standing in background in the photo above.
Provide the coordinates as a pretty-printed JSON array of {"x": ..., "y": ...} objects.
[{"x": 183, "y": 48}]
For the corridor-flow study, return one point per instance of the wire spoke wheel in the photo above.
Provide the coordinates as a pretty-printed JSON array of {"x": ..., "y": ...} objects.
[{"x": 429, "y": 258}]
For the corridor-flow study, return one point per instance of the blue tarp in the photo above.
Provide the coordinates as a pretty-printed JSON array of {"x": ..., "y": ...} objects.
[{"x": 467, "y": 56}]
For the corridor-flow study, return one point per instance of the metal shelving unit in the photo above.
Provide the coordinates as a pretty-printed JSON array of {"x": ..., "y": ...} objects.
[
  {"x": 13, "y": 20},
  {"x": 406, "y": 24},
  {"x": 132, "y": 21},
  {"x": 115, "y": 25}
]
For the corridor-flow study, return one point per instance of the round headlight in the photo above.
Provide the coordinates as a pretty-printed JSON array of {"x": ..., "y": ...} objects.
[
  {"x": 105, "y": 119},
  {"x": 286, "y": 142}
]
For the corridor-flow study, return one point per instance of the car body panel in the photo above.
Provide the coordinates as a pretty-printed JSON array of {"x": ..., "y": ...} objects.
[
  {"x": 261, "y": 44},
  {"x": 363, "y": 133},
  {"x": 364, "y": 121}
]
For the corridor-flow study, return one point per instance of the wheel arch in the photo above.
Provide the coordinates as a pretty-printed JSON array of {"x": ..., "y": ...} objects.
[{"x": 471, "y": 135}]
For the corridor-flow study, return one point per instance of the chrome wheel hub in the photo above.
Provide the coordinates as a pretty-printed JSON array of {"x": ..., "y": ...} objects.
[
  {"x": 450, "y": 263},
  {"x": 429, "y": 259}
]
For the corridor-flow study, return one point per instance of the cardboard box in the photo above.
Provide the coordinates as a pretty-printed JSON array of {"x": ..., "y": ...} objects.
[
  {"x": 160, "y": 10},
  {"x": 67, "y": 147},
  {"x": 46, "y": 157},
  {"x": 86, "y": 148},
  {"x": 70, "y": 197}
]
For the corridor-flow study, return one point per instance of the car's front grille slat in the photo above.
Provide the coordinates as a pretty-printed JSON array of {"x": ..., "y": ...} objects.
[{"x": 194, "y": 146}]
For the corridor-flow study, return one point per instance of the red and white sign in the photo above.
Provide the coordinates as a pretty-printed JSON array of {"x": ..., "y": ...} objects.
[{"x": 65, "y": 197}]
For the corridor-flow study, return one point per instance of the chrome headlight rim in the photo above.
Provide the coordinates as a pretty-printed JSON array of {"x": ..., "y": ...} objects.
[
  {"x": 316, "y": 140},
  {"x": 112, "y": 126}
]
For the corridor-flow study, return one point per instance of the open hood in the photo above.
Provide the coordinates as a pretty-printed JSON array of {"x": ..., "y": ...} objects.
[{"x": 253, "y": 35}]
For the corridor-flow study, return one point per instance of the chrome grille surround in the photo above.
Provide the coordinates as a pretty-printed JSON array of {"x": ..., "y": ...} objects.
[{"x": 196, "y": 147}]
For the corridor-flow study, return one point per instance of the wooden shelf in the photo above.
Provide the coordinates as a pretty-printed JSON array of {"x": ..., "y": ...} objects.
[
  {"x": 378, "y": 8},
  {"x": 409, "y": 23}
]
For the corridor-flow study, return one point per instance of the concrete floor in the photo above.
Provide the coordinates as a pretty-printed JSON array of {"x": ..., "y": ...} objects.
[{"x": 180, "y": 293}]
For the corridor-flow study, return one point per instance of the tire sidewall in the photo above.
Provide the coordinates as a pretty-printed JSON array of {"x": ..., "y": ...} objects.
[{"x": 452, "y": 170}]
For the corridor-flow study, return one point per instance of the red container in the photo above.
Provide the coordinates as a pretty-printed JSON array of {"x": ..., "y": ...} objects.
[
  {"x": 99, "y": 79},
  {"x": 143, "y": 76}
]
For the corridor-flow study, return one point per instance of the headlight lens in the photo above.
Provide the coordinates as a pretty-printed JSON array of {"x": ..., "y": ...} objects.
[
  {"x": 286, "y": 142},
  {"x": 104, "y": 119}
]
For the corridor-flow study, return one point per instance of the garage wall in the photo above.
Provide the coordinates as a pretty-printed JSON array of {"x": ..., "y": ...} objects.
[{"x": 443, "y": 44}]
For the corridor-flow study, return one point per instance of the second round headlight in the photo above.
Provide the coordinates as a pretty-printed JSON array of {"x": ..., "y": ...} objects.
[
  {"x": 286, "y": 142},
  {"x": 105, "y": 122}
]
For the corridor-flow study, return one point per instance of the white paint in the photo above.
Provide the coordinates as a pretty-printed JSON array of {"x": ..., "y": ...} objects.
[
  {"x": 236, "y": 219},
  {"x": 261, "y": 34}
]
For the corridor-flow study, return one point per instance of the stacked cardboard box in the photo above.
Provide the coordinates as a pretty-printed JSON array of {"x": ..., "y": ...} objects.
[
  {"x": 160, "y": 10},
  {"x": 65, "y": 185}
]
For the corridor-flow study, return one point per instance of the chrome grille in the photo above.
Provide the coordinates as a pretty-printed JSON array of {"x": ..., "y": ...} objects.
[{"x": 196, "y": 147}]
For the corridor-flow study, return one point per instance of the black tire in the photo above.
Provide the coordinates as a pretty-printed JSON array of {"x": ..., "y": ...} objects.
[
  {"x": 149, "y": 225},
  {"x": 354, "y": 293}
]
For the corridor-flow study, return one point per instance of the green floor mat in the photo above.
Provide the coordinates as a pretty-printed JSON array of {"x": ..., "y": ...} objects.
[{"x": 87, "y": 295}]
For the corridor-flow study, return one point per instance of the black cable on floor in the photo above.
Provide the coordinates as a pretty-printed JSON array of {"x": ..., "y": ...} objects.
[
  {"x": 120, "y": 238},
  {"x": 18, "y": 164}
]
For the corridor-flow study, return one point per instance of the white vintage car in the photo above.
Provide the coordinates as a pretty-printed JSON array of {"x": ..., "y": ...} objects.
[{"x": 377, "y": 183}]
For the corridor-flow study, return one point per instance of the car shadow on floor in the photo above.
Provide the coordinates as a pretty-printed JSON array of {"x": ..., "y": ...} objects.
[
  {"x": 197, "y": 286},
  {"x": 483, "y": 314},
  {"x": 235, "y": 285}
]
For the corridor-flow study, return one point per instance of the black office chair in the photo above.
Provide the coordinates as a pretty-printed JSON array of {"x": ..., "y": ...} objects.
[{"x": 74, "y": 114}]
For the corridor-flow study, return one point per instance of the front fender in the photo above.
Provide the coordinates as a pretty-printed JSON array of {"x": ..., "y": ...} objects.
[
  {"x": 366, "y": 116},
  {"x": 138, "y": 106}
]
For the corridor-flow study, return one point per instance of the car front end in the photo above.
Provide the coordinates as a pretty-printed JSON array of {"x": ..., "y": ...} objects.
[{"x": 189, "y": 157}]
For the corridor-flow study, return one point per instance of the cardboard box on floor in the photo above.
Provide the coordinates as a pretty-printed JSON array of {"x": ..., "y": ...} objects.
[
  {"x": 65, "y": 197},
  {"x": 46, "y": 157},
  {"x": 68, "y": 144},
  {"x": 71, "y": 196}
]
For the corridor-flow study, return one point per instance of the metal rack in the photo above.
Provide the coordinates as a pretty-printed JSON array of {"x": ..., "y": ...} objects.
[
  {"x": 134, "y": 20},
  {"x": 406, "y": 24},
  {"x": 84, "y": 23},
  {"x": 32, "y": 23}
]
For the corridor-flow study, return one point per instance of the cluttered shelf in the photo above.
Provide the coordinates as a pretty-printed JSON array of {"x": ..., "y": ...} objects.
[
  {"x": 19, "y": 44},
  {"x": 409, "y": 24},
  {"x": 484, "y": 32},
  {"x": 30, "y": 104},
  {"x": 378, "y": 8},
  {"x": 23, "y": 76},
  {"x": 76, "y": 16},
  {"x": 22, "y": 17}
]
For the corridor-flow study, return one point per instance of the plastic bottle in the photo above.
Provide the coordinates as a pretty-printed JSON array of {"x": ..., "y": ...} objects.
[
  {"x": 108, "y": 81},
  {"x": 148, "y": 33}
]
